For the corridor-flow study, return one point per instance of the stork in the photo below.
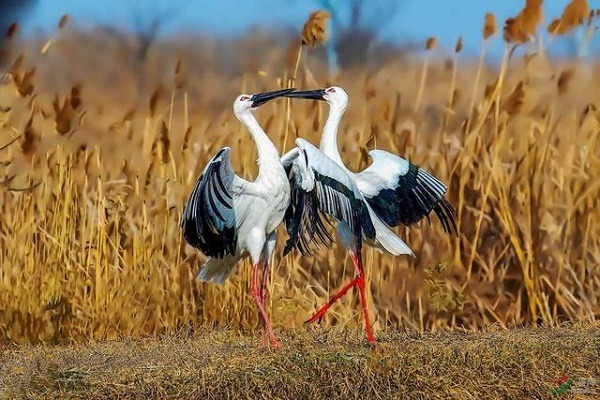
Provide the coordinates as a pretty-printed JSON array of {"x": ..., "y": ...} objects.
[
  {"x": 229, "y": 218},
  {"x": 392, "y": 190}
]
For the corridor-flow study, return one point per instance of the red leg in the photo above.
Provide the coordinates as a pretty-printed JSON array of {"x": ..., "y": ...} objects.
[
  {"x": 263, "y": 299},
  {"x": 263, "y": 286},
  {"x": 358, "y": 280},
  {"x": 321, "y": 312},
  {"x": 258, "y": 296},
  {"x": 357, "y": 260}
]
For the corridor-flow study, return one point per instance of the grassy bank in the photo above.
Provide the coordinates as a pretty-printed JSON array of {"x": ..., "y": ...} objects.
[{"x": 517, "y": 363}]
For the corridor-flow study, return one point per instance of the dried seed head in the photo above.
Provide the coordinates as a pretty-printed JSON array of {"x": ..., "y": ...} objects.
[
  {"x": 489, "y": 26},
  {"x": 555, "y": 27},
  {"x": 76, "y": 96},
  {"x": 315, "y": 28},
  {"x": 30, "y": 139},
  {"x": 186, "y": 137},
  {"x": 149, "y": 173},
  {"x": 179, "y": 75},
  {"x": 431, "y": 43},
  {"x": 522, "y": 27},
  {"x": 563, "y": 80},
  {"x": 459, "y": 45},
  {"x": 24, "y": 82},
  {"x": 532, "y": 15},
  {"x": 575, "y": 13},
  {"x": 63, "y": 21},
  {"x": 165, "y": 142},
  {"x": 63, "y": 115},
  {"x": 513, "y": 31},
  {"x": 12, "y": 29}
]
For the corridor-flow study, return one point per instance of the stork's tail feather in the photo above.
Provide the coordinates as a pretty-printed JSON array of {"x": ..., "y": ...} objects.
[
  {"x": 392, "y": 243},
  {"x": 217, "y": 270},
  {"x": 387, "y": 239}
]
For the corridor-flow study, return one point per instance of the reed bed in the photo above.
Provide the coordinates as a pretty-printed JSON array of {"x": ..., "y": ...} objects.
[{"x": 99, "y": 150}]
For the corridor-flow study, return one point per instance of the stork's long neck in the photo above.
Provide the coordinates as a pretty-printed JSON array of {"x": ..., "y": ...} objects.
[
  {"x": 268, "y": 155},
  {"x": 329, "y": 139}
]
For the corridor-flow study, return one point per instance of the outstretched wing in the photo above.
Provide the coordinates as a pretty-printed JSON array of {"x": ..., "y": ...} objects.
[
  {"x": 208, "y": 221},
  {"x": 403, "y": 193},
  {"x": 320, "y": 189}
]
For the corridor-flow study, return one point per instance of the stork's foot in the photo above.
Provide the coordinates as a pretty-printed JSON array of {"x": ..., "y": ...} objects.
[
  {"x": 275, "y": 343},
  {"x": 268, "y": 339}
]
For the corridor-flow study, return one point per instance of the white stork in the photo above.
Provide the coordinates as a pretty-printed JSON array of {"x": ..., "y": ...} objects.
[
  {"x": 392, "y": 191},
  {"x": 229, "y": 218}
]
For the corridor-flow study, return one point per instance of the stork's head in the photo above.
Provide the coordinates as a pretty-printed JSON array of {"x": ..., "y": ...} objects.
[
  {"x": 334, "y": 95},
  {"x": 250, "y": 102}
]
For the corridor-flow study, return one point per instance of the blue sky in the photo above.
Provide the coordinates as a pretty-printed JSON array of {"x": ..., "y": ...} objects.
[{"x": 413, "y": 21}]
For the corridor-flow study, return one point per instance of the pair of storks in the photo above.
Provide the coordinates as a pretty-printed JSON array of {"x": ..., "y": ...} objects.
[{"x": 229, "y": 218}]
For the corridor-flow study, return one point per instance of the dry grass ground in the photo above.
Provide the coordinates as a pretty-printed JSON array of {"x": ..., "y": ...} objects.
[{"x": 334, "y": 364}]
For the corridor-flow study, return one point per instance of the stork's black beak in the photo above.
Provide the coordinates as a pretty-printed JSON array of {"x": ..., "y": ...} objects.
[
  {"x": 316, "y": 94},
  {"x": 261, "y": 98}
]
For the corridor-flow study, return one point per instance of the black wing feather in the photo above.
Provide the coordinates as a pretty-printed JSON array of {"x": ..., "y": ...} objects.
[
  {"x": 304, "y": 221},
  {"x": 416, "y": 194},
  {"x": 208, "y": 221},
  {"x": 309, "y": 214}
]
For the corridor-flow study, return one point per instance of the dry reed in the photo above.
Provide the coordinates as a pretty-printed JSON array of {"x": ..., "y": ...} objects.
[{"x": 94, "y": 173}]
